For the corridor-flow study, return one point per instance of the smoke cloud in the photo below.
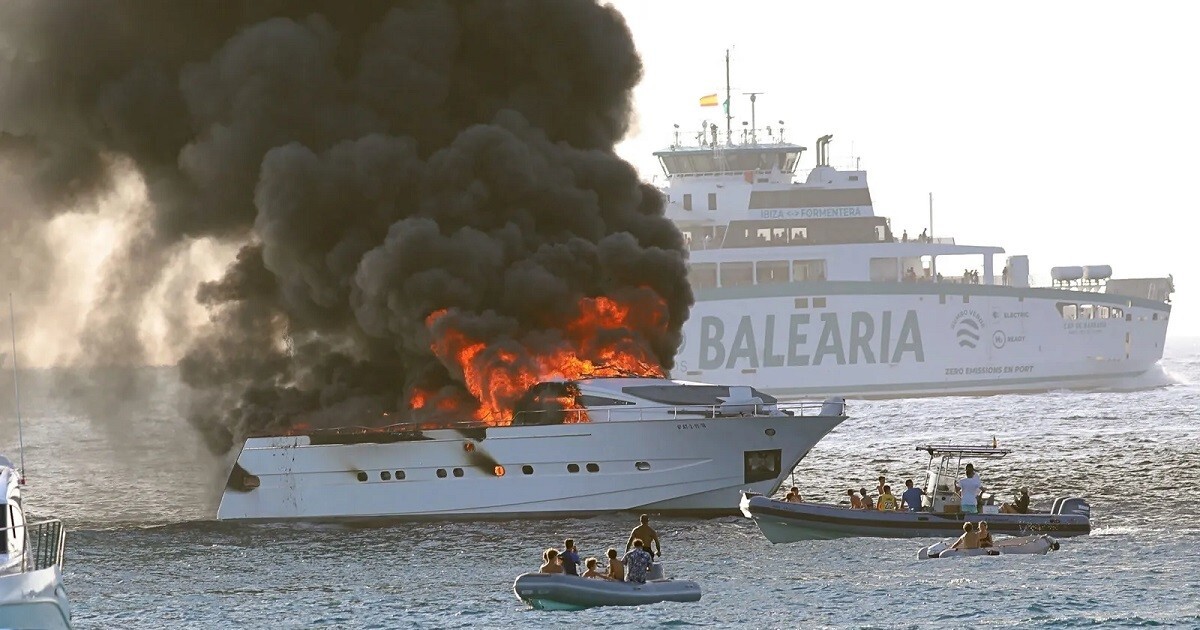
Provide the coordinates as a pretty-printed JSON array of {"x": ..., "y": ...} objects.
[{"x": 371, "y": 162}]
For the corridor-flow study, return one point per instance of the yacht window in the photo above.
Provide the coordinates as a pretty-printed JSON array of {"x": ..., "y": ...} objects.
[
  {"x": 441, "y": 473},
  {"x": 1085, "y": 311},
  {"x": 527, "y": 469},
  {"x": 1116, "y": 313},
  {"x": 687, "y": 202},
  {"x": 687, "y": 238},
  {"x": 712, "y": 201},
  {"x": 361, "y": 476},
  {"x": 385, "y": 475},
  {"x": 593, "y": 467},
  {"x": 703, "y": 275},
  {"x": 736, "y": 274},
  {"x": 399, "y": 475},
  {"x": 458, "y": 472},
  {"x": 1102, "y": 312},
  {"x": 854, "y": 178},
  {"x": 588, "y": 400},
  {"x": 572, "y": 468},
  {"x": 799, "y": 234},
  {"x": 772, "y": 271},
  {"x": 1068, "y": 311},
  {"x": 642, "y": 465}
]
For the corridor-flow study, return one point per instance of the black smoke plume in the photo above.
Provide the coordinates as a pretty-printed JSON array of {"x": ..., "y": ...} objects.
[{"x": 376, "y": 161}]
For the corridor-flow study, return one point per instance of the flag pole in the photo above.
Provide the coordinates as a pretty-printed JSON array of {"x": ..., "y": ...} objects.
[
  {"x": 728, "y": 104},
  {"x": 12, "y": 326}
]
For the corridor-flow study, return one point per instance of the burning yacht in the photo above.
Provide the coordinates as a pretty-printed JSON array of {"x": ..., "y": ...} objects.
[{"x": 569, "y": 448}]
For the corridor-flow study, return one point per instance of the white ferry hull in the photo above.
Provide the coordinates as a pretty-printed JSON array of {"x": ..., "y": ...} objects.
[
  {"x": 35, "y": 599},
  {"x": 690, "y": 465},
  {"x": 867, "y": 339}
]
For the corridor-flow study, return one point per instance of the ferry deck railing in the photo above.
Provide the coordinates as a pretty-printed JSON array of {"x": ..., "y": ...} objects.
[{"x": 45, "y": 544}]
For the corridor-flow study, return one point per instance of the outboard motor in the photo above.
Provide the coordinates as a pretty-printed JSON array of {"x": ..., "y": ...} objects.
[
  {"x": 834, "y": 406},
  {"x": 1074, "y": 506}
]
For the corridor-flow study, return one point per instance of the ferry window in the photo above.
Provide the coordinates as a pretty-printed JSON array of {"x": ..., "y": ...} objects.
[
  {"x": 764, "y": 234},
  {"x": 712, "y": 201},
  {"x": 687, "y": 202},
  {"x": 1068, "y": 311},
  {"x": 1116, "y": 313},
  {"x": 361, "y": 476},
  {"x": 687, "y": 238},
  {"x": 593, "y": 467},
  {"x": 772, "y": 271},
  {"x": 527, "y": 469},
  {"x": 799, "y": 234},
  {"x": 819, "y": 302},
  {"x": 803, "y": 270},
  {"x": 385, "y": 475},
  {"x": 736, "y": 274},
  {"x": 880, "y": 233},
  {"x": 1102, "y": 312},
  {"x": 399, "y": 475},
  {"x": 702, "y": 275},
  {"x": 801, "y": 303},
  {"x": 1085, "y": 311},
  {"x": 441, "y": 473},
  {"x": 572, "y": 468},
  {"x": 458, "y": 472},
  {"x": 779, "y": 234},
  {"x": 885, "y": 270}
]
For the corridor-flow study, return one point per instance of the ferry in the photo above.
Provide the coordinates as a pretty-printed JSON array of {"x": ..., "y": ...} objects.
[
  {"x": 803, "y": 290},
  {"x": 646, "y": 444}
]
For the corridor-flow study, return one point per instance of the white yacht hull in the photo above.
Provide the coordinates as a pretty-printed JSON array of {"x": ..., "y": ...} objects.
[
  {"x": 35, "y": 599},
  {"x": 687, "y": 464},
  {"x": 873, "y": 339}
]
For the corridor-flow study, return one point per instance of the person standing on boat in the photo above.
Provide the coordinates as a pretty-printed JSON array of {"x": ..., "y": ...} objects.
[
  {"x": 912, "y": 496},
  {"x": 570, "y": 557},
  {"x": 647, "y": 535},
  {"x": 969, "y": 488},
  {"x": 637, "y": 562},
  {"x": 882, "y": 483}
]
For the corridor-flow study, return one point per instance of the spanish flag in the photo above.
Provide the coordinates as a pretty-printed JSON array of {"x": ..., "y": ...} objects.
[{"x": 708, "y": 101}]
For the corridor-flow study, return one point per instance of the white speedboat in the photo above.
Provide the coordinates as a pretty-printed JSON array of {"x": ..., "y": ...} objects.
[
  {"x": 555, "y": 591},
  {"x": 803, "y": 290},
  {"x": 1027, "y": 545},
  {"x": 646, "y": 444},
  {"x": 32, "y": 594}
]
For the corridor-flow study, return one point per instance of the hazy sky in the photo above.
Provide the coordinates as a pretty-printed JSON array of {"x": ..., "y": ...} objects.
[{"x": 1066, "y": 131}]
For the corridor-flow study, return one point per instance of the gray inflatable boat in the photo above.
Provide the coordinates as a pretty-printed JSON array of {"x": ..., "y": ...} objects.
[{"x": 555, "y": 591}]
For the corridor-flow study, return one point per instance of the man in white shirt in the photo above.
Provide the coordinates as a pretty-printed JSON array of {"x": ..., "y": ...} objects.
[{"x": 969, "y": 488}]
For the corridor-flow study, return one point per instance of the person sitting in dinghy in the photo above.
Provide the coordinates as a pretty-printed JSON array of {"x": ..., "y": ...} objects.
[
  {"x": 985, "y": 537},
  {"x": 616, "y": 568},
  {"x": 969, "y": 538},
  {"x": 550, "y": 562},
  {"x": 591, "y": 570},
  {"x": 887, "y": 500},
  {"x": 855, "y": 502},
  {"x": 638, "y": 562}
]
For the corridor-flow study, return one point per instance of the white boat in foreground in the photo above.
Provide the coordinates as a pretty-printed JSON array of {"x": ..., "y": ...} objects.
[
  {"x": 646, "y": 444},
  {"x": 1027, "y": 545},
  {"x": 556, "y": 591},
  {"x": 32, "y": 594}
]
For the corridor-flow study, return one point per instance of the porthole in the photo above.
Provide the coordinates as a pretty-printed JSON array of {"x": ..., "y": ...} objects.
[
  {"x": 385, "y": 475},
  {"x": 399, "y": 475},
  {"x": 593, "y": 467},
  {"x": 770, "y": 432},
  {"x": 642, "y": 465},
  {"x": 441, "y": 473},
  {"x": 362, "y": 476},
  {"x": 527, "y": 469},
  {"x": 572, "y": 468},
  {"x": 458, "y": 472}
]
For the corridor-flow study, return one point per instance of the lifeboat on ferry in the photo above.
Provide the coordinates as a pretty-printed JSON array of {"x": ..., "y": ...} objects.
[
  {"x": 556, "y": 591},
  {"x": 1017, "y": 545}
]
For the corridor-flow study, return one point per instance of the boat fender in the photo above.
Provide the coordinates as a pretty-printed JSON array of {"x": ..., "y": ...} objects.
[{"x": 1054, "y": 546}]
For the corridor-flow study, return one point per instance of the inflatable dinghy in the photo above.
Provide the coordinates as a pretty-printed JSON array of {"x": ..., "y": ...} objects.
[
  {"x": 1013, "y": 545},
  {"x": 556, "y": 591}
]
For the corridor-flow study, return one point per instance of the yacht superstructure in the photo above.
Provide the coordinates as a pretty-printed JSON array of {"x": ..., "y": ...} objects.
[{"x": 803, "y": 290}]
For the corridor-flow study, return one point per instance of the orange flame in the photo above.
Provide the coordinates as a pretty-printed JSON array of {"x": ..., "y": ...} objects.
[{"x": 606, "y": 338}]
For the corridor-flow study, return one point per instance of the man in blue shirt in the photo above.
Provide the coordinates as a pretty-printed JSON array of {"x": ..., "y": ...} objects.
[
  {"x": 570, "y": 557},
  {"x": 912, "y": 496}
]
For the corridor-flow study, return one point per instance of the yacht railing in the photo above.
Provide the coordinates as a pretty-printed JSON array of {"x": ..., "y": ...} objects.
[
  {"x": 45, "y": 544},
  {"x": 608, "y": 414}
]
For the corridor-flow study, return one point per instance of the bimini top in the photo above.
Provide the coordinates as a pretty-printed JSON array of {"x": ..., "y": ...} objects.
[{"x": 975, "y": 451}]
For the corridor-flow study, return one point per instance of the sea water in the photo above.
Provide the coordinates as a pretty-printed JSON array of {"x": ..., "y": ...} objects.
[{"x": 138, "y": 492}]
